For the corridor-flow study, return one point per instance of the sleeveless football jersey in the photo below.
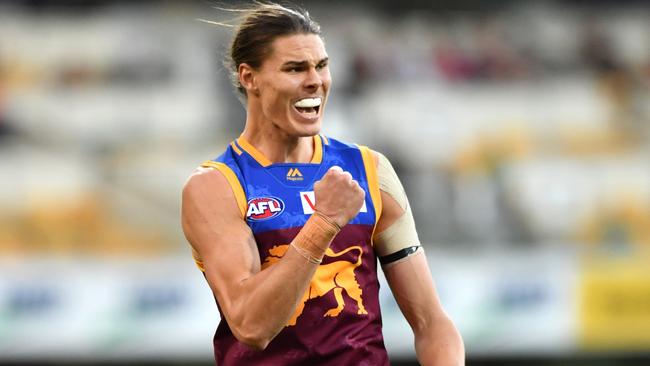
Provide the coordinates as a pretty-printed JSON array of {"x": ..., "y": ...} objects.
[{"x": 338, "y": 320}]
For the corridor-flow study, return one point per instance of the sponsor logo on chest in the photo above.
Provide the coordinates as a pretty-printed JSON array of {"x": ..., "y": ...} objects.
[
  {"x": 294, "y": 175},
  {"x": 264, "y": 208},
  {"x": 308, "y": 201}
]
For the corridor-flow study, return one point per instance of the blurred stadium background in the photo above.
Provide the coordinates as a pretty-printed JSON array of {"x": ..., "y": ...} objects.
[{"x": 520, "y": 129}]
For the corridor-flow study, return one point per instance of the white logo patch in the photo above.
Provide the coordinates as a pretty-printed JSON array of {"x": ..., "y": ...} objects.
[{"x": 308, "y": 201}]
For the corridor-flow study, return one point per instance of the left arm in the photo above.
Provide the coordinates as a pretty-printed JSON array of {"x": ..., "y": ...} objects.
[{"x": 437, "y": 341}]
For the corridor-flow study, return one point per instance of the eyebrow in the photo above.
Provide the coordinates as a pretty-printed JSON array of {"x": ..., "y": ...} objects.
[{"x": 303, "y": 63}]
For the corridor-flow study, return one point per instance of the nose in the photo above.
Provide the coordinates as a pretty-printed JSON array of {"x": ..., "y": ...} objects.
[{"x": 313, "y": 80}]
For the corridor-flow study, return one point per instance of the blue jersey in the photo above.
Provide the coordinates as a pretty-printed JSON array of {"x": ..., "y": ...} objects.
[{"x": 338, "y": 321}]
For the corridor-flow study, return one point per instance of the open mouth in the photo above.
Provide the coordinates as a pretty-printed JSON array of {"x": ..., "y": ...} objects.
[{"x": 308, "y": 107}]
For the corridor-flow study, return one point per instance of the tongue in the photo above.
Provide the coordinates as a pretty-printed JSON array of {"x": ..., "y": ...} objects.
[{"x": 306, "y": 110}]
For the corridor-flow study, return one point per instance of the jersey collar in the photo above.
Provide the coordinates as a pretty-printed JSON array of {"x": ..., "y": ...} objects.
[{"x": 264, "y": 161}]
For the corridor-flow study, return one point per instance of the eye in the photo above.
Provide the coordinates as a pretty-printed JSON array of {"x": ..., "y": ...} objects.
[
  {"x": 322, "y": 64},
  {"x": 294, "y": 68}
]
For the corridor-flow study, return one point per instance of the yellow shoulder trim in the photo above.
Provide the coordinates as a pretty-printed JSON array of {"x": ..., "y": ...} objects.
[
  {"x": 197, "y": 260},
  {"x": 370, "y": 164},
  {"x": 318, "y": 150},
  {"x": 237, "y": 189},
  {"x": 234, "y": 147},
  {"x": 256, "y": 154}
]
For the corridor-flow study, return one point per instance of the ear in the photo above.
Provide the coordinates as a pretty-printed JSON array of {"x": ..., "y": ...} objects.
[{"x": 247, "y": 79}]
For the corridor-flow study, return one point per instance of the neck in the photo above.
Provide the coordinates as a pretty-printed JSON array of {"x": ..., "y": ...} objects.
[{"x": 279, "y": 147}]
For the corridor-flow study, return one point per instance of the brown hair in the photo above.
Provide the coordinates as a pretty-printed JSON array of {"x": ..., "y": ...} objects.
[{"x": 260, "y": 26}]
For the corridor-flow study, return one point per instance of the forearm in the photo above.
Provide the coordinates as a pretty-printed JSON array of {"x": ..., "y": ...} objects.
[
  {"x": 437, "y": 341},
  {"x": 440, "y": 345},
  {"x": 266, "y": 301}
]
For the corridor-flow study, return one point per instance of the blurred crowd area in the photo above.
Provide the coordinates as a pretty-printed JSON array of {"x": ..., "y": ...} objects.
[{"x": 519, "y": 124}]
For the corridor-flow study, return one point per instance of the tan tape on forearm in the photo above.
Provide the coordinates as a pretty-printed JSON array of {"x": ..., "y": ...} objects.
[
  {"x": 315, "y": 237},
  {"x": 402, "y": 233}
]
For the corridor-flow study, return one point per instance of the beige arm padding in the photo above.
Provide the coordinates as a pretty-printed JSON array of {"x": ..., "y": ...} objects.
[{"x": 401, "y": 234}]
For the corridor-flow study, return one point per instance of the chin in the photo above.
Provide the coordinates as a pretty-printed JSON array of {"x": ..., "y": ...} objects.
[{"x": 307, "y": 129}]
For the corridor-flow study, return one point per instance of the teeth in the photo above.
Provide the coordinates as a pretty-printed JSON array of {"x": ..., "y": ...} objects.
[{"x": 308, "y": 103}]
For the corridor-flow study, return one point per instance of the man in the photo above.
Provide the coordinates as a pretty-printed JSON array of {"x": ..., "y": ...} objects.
[{"x": 287, "y": 224}]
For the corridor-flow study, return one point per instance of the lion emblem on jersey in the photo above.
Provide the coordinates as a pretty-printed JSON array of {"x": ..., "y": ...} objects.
[{"x": 335, "y": 276}]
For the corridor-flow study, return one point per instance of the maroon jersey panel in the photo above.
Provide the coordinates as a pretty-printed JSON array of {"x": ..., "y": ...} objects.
[{"x": 338, "y": 320}]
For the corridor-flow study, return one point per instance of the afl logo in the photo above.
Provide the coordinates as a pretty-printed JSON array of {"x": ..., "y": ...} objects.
[{"x": 264, "y": 208}]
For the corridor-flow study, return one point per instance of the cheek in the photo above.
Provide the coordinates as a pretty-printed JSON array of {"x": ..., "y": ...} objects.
[
  {"x": 281, "y": 93},
  {"x": 279, "y": 88},
  {"x": 327, "y": 79},
  {"x": 275, "y": 99}
]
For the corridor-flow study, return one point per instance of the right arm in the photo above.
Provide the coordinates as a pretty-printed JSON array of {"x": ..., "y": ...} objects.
[
  {"x": 214, "y": 226},
  {"x": 437, "y": 341}
]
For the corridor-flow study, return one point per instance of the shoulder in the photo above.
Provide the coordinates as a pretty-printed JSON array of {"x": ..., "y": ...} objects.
[
  {"x": 213, "y": 183},
  {"x": 209, "y": 203},
  {"x": 204, "y": 179},
  {"x": 218, "y": 174},
  {"x": 211, "y": 172}
]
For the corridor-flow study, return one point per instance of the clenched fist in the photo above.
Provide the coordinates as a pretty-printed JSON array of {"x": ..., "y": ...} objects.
[{"x": 338, "y": 196}]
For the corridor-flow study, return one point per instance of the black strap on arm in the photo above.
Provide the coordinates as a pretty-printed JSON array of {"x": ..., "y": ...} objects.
[{"x": 400, "y": 254}]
